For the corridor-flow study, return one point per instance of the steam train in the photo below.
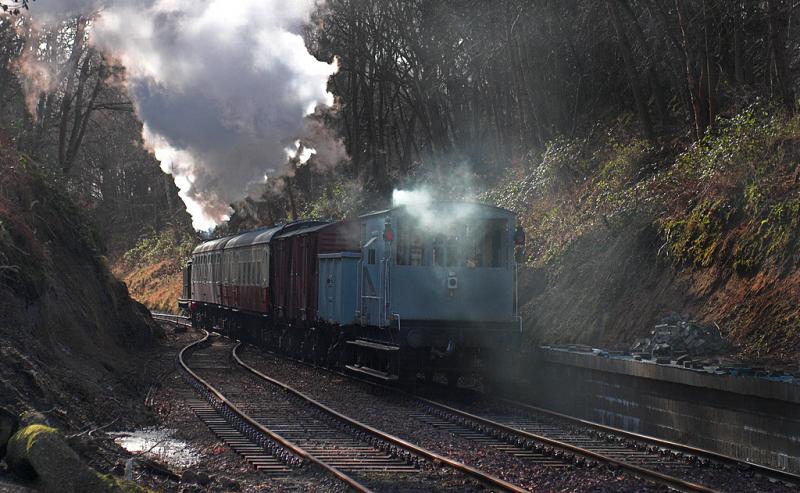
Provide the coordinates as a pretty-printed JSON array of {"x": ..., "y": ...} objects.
[{"x": 413, "y": 289}]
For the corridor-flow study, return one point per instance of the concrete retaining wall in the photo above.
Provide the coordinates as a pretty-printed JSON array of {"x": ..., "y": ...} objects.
[{"x": 744, "y": 417}]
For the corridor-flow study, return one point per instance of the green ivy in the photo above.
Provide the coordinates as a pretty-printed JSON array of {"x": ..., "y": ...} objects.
[
  {"x": 696, "y": 238},
  {"x": 770, "y": 236}
]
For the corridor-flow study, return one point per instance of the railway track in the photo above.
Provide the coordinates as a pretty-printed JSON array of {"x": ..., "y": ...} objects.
[
  {"x": 557, "y": 441},
  {"x": 279, "y": 430},
  {"x": 549, "y": 420},
  {"x": 181, "y": 320},
  {"x": 647, "y": 458}
]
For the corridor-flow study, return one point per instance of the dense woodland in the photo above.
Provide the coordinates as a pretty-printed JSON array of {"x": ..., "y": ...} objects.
[
  {"x": 650, "y": 148},
  {"x": 427, "y": 84},
  {"x": 424, "y": 87},
  {"x": 82, "y": 126},
  {"x": 429, "y": 87}
]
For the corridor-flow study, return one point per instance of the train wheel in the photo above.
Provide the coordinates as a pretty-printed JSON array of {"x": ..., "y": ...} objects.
[
  {"x": 319, "y": 348},
  {"x": 335, "y": 356},
  {"x": 452, "y": 378},
  {"x": 407, "y": 378},
  {"x": 283, "y": 342},
  {"x": 303, "y": 347}
]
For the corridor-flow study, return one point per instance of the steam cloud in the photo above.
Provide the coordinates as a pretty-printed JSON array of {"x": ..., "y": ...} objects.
[
  {"x": 430, "y": 214},
  {"x": 222, "y": 88}
]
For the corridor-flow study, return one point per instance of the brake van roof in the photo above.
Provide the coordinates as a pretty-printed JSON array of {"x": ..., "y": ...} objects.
[
  {"x": 309, "y": 228},
  {"x": 443, "y": 206}
]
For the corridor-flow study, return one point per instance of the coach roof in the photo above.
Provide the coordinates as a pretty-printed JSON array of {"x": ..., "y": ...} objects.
[
  {"x": 257, "y": 237},
  {"x": 211, "y": 245}
]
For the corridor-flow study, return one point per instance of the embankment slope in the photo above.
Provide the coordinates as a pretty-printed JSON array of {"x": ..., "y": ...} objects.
[{"x": 71, "y": 339}]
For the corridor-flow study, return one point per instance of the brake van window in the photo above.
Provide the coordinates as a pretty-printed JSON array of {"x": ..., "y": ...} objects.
[
  {"x": 485, "y": 245},
  {"x": 410, "y": 246}
]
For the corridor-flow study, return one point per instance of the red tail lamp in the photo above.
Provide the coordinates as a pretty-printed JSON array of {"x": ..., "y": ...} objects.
[{"x": 388, "y": 232}]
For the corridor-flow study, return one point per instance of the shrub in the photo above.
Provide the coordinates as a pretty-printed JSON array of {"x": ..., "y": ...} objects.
[{"x": 163, "y": 245}]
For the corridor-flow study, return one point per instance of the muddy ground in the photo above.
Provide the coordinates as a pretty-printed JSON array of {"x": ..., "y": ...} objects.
[{"x": 159, "y": 421}]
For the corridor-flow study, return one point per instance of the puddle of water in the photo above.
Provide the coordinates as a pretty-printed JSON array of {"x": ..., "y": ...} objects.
[{"x": 158, "y": 443}]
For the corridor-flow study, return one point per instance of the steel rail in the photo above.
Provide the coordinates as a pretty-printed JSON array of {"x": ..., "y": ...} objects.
[
  {"x": 169, "y": 317},
  {"x": 660, "y": 478},
  {"x": 288, "y": 445},
  {"x": 481, "y": 476},
  {"x": 708, "y": 454},
  {"x": 766, "y": 471}
]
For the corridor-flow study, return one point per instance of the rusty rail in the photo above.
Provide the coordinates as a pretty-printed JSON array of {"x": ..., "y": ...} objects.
[
  {"x": 657, "y": 477},
  {"x": 171, "y": 318},
  {"x": 767, "y": 471},
  {"x": 660, "y": 478},
  {"x": 286, "y": 444},
  {"x": 481, "y": 476}
]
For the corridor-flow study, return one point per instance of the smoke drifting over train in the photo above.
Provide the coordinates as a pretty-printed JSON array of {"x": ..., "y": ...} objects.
[
  {"x": 223, "y": 90},
  {"x": 430, "y": 214}
]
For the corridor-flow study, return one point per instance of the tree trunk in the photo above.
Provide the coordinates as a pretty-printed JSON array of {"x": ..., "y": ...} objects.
[
  {"x": 81, "y": 119},
  {"x": 777, "y": 41},
  {"x": 738, "y": 47},
  {"x": 700, "y": 124},
  {"x": 70, "y": 68},
  {"x": 630, "y": 69}
]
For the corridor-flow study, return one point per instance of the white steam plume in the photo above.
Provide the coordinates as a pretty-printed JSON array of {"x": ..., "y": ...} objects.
[
  {"x": 432, "y": 215},
  {"x": 222, "y": 87}
]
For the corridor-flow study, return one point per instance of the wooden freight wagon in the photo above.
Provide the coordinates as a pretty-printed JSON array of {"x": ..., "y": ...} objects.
[{"x": 296, "y": 268}]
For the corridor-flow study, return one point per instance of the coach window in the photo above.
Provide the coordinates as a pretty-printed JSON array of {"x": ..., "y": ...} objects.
[{"x": 237, "y": 268}]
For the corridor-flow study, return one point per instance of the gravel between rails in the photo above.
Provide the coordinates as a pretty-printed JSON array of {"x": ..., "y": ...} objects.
[
  {"x": 260, "y": 400},
  {"x": 216, "y": 458},
  {"x": 395, "y": 414},
  {"x": 719, "y": 477}
]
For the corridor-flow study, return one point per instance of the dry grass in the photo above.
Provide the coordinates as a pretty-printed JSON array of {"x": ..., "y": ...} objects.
[{"x": 157, "y": 286}]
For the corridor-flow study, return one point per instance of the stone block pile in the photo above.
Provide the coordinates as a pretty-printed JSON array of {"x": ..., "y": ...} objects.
[{"x": 676, "y": 336}]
